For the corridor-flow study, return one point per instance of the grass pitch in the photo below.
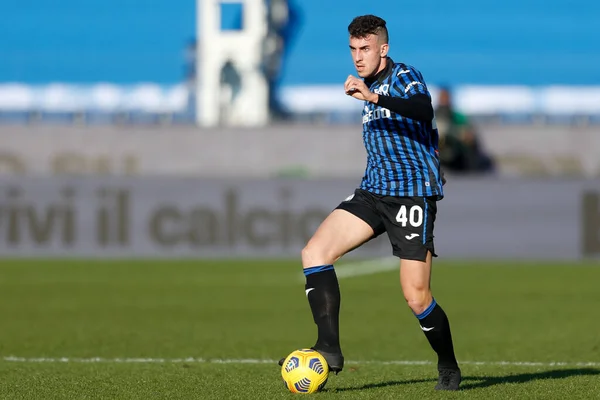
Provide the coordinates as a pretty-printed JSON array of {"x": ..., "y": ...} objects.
[{"x": 213, "y": 330}]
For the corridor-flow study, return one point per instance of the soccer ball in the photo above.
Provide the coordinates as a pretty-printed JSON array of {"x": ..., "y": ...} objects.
[{"x": 304, "y": 371}]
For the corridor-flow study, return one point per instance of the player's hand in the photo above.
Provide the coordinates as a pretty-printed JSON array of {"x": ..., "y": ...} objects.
[{"x": 356, "y": 88}]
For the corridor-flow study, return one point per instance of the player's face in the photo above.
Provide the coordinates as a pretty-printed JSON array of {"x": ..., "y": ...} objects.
[{"x": 367, "y": 54}]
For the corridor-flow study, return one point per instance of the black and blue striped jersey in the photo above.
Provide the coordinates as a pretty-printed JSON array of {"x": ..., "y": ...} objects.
[{"x": 402, "y": 153}]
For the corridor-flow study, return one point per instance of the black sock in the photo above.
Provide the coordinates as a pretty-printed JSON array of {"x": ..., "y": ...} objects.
[
  {"x": 436, "y": 327},
  {"x": 323, "y": 293}
]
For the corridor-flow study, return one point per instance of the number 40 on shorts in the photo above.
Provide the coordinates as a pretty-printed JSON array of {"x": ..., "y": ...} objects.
[{"x": 412, "y": 215}]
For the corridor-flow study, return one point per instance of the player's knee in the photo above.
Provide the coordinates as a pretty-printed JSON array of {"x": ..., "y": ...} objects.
[
  {"x": 313, "y": 254},
  {"x": 419, "y": 301}
]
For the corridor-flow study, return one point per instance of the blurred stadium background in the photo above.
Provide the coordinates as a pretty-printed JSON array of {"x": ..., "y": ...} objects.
[
  {"x": 218, "y": 129},
  {"x": 244, "y": 98}
]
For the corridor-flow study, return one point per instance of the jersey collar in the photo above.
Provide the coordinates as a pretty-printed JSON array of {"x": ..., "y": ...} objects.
[{"x": 383, "y": 74}]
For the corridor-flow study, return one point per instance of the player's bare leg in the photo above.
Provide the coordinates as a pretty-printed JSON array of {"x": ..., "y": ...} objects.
[
  {"x": 339, "y": 233},
  {"x": 415, "y": 279}
]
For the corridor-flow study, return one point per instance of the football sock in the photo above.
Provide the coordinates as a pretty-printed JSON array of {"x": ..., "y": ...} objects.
[
  {"x": 436, "y": 327},
  {"x": 323, "y": 293}
]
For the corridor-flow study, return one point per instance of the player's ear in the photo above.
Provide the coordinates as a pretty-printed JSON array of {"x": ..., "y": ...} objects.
[{"x": 384, "y": 50}]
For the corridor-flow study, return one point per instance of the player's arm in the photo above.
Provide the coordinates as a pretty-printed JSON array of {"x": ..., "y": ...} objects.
[
  {"x": 408, "y": 97},
  {"x": 417, "y": 106}
]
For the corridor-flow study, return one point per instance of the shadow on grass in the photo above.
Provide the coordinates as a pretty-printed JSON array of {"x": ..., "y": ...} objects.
[
  {"x": 476, "y": 382},
  {"x": 380, "y": 385},
  {"x": 526, "y": 377}
]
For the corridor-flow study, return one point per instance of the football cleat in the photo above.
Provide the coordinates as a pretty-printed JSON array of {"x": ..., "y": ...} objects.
[
  {"x": 449, "y": 379},
  {"x": 335, "y": 361}
]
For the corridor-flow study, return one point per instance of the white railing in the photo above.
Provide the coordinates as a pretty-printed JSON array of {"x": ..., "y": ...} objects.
[
  {"x": 101, "y": 97},
  {"x": 173, "y": 99}
]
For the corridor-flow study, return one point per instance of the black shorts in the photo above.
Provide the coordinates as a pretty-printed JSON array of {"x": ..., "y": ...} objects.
[{"x": 408, "y": 221}]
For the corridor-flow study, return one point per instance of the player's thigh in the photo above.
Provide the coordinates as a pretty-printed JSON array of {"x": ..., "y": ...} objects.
[
  {"x": 338, "y": 234},
  {"x": 354, "y": 222}
]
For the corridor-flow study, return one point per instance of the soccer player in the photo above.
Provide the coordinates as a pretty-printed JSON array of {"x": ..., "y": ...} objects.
[{"x": 397, "y": 195}]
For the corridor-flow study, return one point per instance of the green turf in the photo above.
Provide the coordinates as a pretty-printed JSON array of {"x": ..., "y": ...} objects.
[{"x": 544, "y": 312}]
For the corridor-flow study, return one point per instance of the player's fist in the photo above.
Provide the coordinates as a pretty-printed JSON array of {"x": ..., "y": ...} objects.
[{"x": 356, "y": 88}]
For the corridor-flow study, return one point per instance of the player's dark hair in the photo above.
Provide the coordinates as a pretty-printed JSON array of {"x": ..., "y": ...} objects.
[{"x": 368, "y": 25}]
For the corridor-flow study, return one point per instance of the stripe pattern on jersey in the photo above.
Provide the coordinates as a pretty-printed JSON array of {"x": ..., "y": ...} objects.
[{"x": 402, "y": 153}]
